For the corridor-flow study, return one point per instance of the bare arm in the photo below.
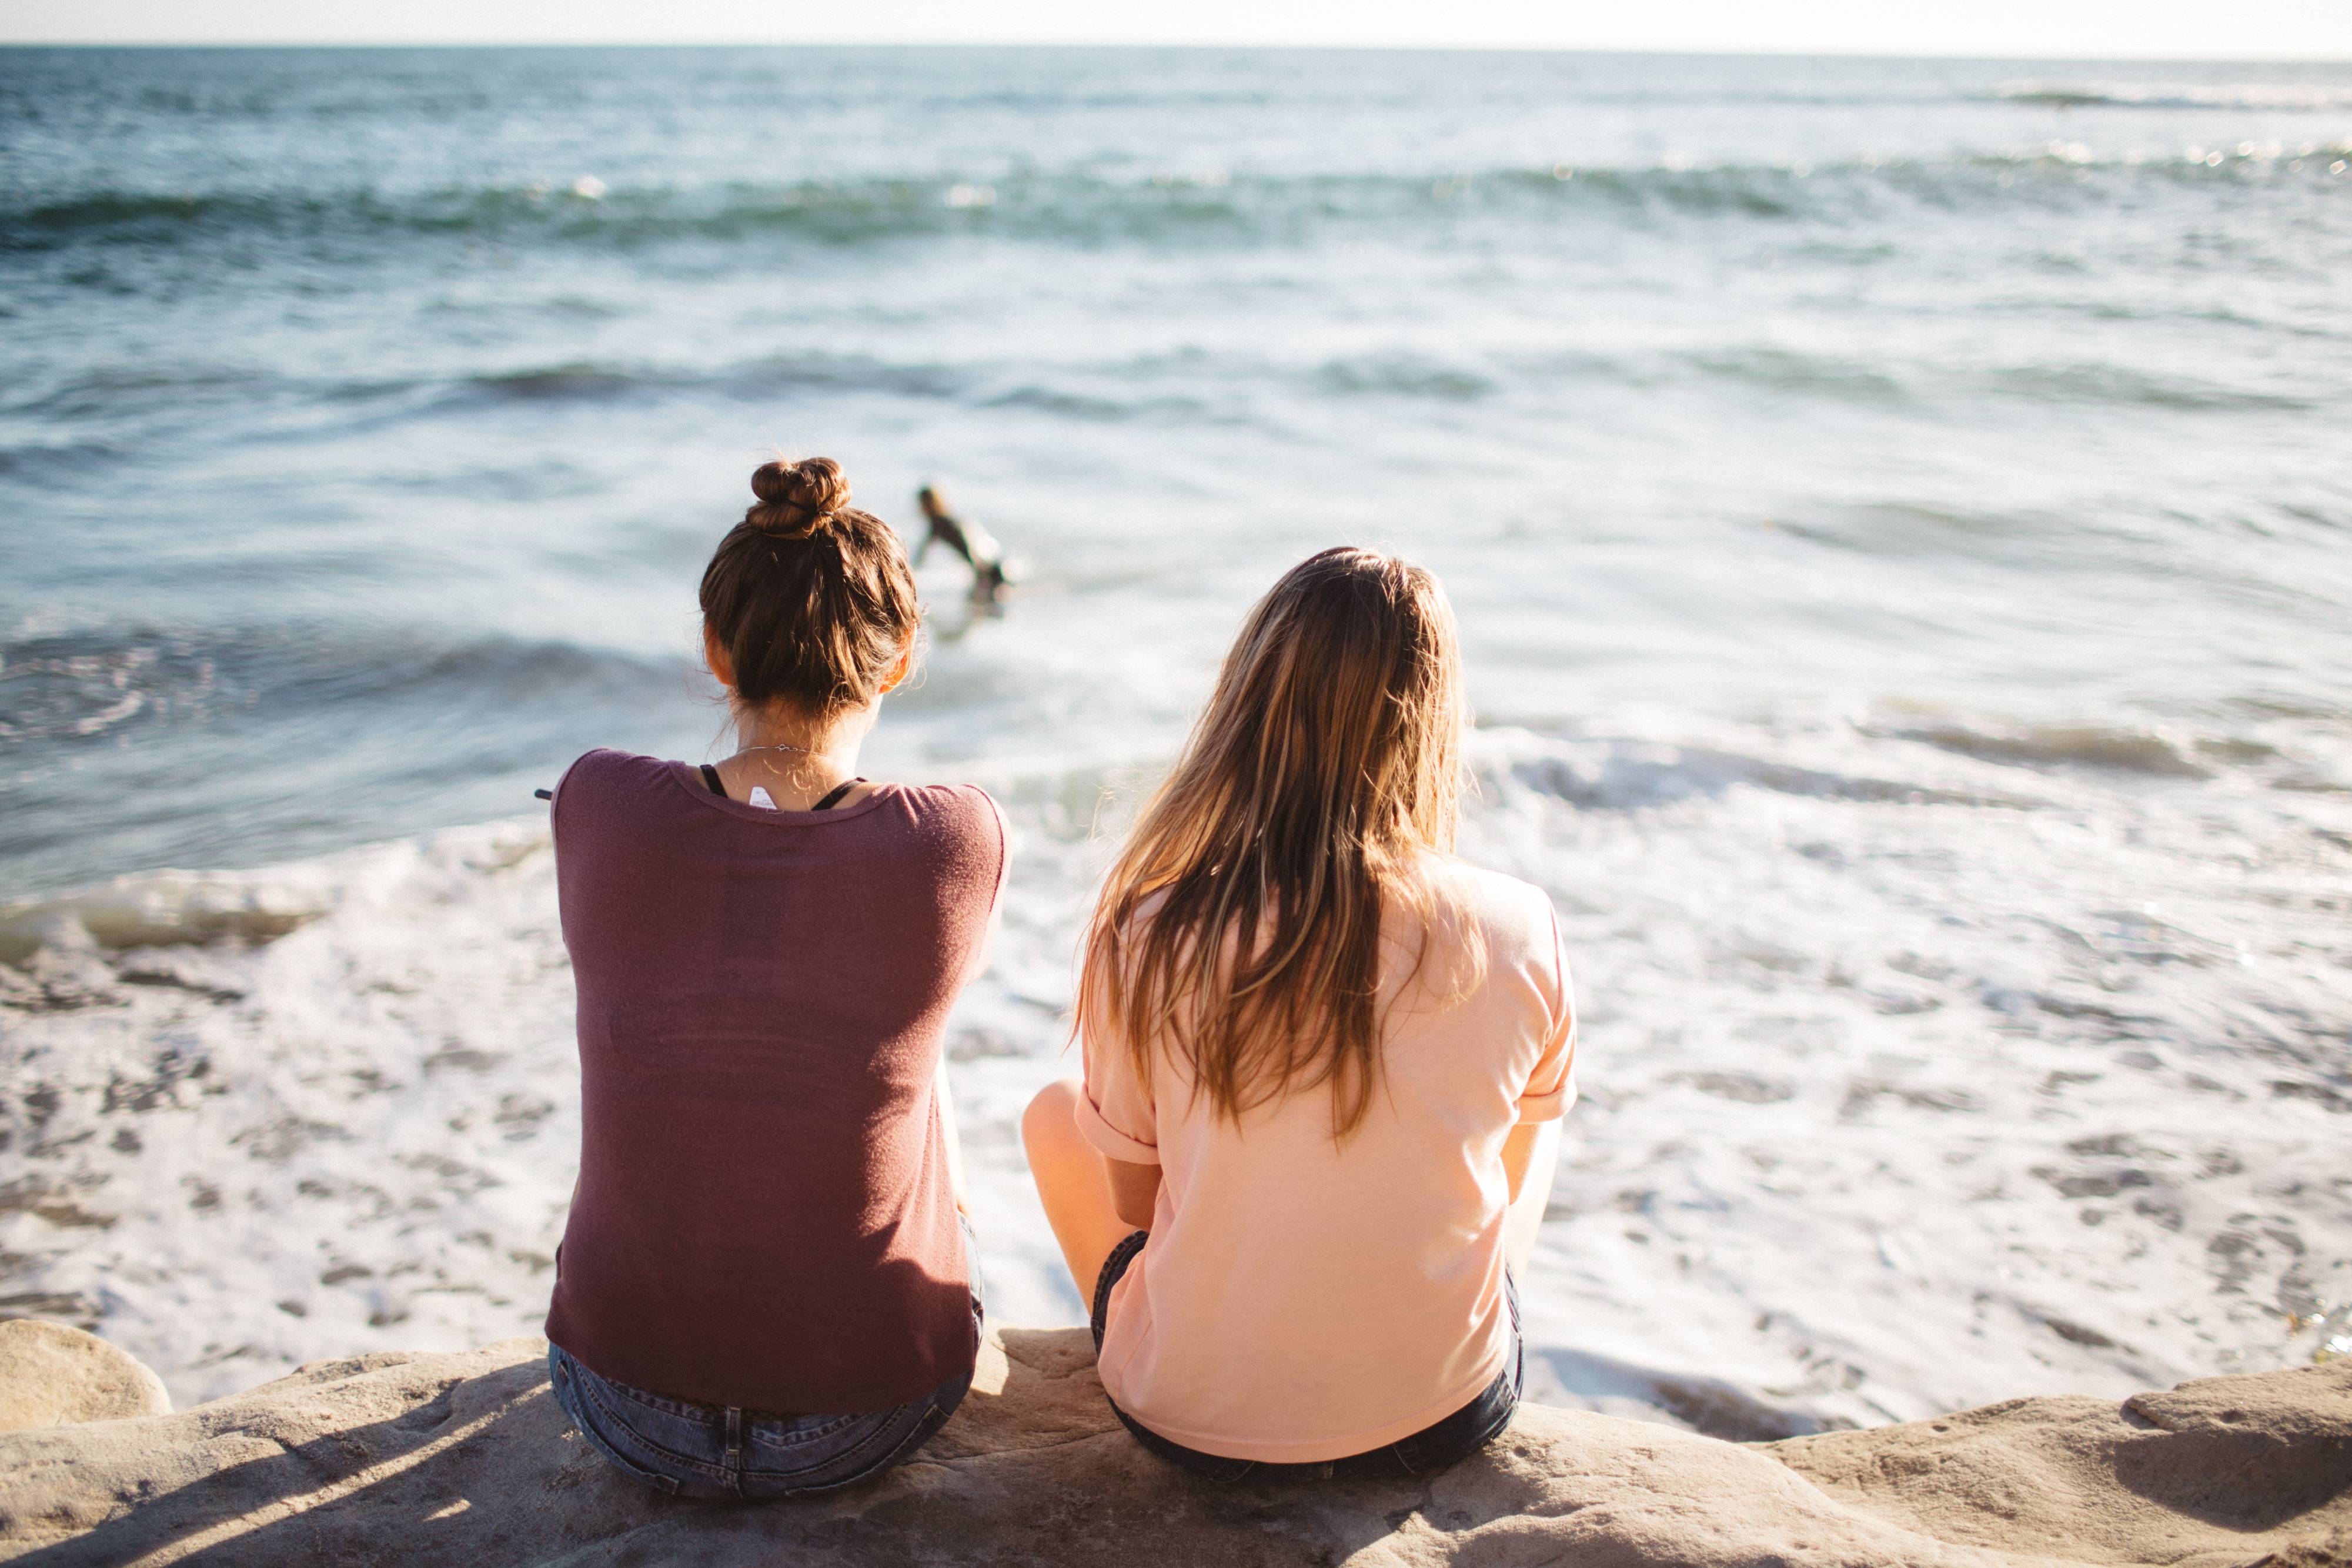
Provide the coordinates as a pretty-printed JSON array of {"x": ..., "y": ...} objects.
[
  {"x": 1134, "y": 1190},
  {"x": 954, "y": 1144},
  {"x": 1520, "y": 1153},
  {"x": 1530, "y": 1154}
]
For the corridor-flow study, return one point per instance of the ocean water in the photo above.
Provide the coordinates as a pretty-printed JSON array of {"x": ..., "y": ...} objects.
[{"x": 1898, "y": 514}]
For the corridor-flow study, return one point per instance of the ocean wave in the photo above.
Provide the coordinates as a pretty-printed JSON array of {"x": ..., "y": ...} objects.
[
  {"x": 1094, "y": 407},
  {"x": 108, "y": 397},
  {"x": 285, "y": 739},
  {"x": 1079, "y": 391},
  {"x": 1405, "y": 375},
  {"x": 59, "y": 426},
  {"x": 66, "y": 462},
  {"x": 1070, "y": 208},
  {"x": 2054, "y": 746},
  {"x": 1788, "y": 370},
  {"x": 106, "y": 389},
  {"x": 77, "y": 688},
  {"x": 2274, "y": 97},
  {"x": 848, "y": 213},
  {"x": 1624, "y": 773},
  {"x": 1848, "y": 378},
  {"x": 1064, "y": 797},
  {"x": 566, "y": 383},
  {"x": 2109, "y": 383},
  {"x": 80, "y": 687},
  {"x": 1190, "y": 385},
  {"x": 174, "y": 908}
]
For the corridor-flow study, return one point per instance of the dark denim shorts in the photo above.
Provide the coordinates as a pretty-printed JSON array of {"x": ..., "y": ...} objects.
[
  {"x": 687, "y": 1449},
  {"x": 1435, "y": 1447}
]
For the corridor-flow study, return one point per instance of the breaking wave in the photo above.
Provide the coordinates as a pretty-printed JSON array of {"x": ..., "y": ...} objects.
[
  {"x": 1068, "y": 208},
  {"x": 2288, "y": 97}
]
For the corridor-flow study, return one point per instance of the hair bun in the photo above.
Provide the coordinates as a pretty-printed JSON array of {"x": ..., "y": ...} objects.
[{"x": 797, "y": 499}]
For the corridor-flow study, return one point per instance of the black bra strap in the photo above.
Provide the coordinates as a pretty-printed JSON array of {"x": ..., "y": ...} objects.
[{"x": 832, "y": 796}]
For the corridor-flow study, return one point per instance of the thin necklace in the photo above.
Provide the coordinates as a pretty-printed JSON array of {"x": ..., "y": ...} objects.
[{"x": 803, "y": 750}]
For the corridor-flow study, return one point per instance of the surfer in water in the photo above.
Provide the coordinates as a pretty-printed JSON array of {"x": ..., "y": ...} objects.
[{"x": 975, "y": 544}]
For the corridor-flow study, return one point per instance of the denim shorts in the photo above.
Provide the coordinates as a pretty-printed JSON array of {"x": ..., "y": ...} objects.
[
  {"x": 1447, "y": 1441},
  {"x": 686, "y": 1449}
]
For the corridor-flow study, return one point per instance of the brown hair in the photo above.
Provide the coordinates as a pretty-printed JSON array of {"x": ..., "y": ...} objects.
[
  {"x": 1241, "y": 923},
  {"x": 812, "y": 600}
]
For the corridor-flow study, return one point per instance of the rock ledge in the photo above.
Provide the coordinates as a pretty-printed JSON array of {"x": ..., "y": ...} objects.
[{"x": 400, "y": 1458}]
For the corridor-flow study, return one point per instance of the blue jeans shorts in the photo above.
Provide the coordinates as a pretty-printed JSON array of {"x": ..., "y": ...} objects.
[
  {"x": 686, "y": 1449},
  {"x": 1447, "y": 1441}
]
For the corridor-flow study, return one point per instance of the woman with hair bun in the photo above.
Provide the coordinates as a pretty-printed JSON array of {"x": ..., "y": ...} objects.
[
  {"x": 1325, "y": 1064},
  {"x": 766, "y": 1286}
]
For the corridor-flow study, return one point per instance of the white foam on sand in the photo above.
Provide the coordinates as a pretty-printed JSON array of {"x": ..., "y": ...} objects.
[{"x": 1917, "y": 1073}]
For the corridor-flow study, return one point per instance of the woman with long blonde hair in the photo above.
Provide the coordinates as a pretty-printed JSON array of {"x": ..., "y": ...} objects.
[{"x": 1325, "y": 1063}]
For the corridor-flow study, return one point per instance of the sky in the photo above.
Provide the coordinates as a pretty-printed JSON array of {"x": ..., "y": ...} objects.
[{"x": 2145, "y": 29}]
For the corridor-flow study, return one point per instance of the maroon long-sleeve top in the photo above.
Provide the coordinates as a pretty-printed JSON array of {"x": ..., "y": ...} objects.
[{"x": 764, "y": 1217}]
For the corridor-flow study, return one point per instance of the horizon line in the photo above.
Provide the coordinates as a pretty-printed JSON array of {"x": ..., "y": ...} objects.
[{"x": 1194, "y": 44}]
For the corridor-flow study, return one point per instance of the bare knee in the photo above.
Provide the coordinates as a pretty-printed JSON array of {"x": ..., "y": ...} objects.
[{"x": 1047, "y": 1122}]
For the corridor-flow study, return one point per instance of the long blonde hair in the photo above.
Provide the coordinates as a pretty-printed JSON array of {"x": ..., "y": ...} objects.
[{"x": 1327, "y": 763}]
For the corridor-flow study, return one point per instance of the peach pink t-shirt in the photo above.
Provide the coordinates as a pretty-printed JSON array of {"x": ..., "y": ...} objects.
[{"x": 1302, "y": 1300}]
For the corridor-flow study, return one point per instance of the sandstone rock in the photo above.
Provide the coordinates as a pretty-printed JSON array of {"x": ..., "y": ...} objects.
[
  {"x": 51, "y": 1374},
  {"x": 2218, "y": 1470},
  {"x": 465, "y": 1458}
]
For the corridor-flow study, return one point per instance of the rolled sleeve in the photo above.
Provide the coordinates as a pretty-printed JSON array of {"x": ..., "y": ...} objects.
[
  {"x": 1551, "y": 1086},
  {"x": 1114, "y": 1111}
]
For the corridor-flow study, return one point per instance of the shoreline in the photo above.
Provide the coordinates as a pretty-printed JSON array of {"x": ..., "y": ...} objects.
[{"x": 1893, "y": 1024}]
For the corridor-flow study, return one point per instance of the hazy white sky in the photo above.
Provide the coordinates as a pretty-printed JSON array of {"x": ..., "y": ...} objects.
[{"x": 2249, "y": 29}]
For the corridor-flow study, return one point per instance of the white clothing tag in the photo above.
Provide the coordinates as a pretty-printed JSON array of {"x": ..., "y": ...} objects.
[{"x": 761, "y": 798}]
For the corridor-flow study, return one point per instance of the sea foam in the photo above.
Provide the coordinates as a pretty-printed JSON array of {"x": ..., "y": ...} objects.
[{"x": 1903, "y": 1090}]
